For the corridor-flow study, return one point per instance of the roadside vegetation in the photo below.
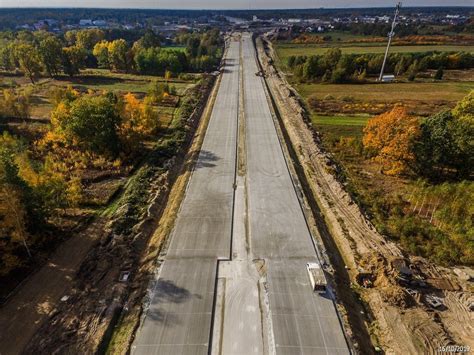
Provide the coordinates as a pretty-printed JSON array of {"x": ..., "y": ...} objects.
[
  {"x": 83, "y": 117},
  {"x": 405, "y": 148}
]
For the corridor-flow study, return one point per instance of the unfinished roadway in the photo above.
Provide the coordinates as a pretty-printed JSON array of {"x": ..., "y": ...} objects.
[{"x": 234, "y": 279}]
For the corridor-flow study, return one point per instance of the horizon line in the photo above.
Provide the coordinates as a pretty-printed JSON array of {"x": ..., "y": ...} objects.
[{"x": 233, "y": 9}]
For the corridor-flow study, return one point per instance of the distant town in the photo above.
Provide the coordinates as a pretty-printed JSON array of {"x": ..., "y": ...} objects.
[{"x": 327, "y": 20}]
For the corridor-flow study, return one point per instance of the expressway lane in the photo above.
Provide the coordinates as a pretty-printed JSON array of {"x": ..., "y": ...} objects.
[
  {"x": 302, "y": 322},
  {"x": 179, "y": 317}
]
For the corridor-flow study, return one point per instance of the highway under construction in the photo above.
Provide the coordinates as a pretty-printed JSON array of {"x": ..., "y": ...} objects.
[{"x": 235, "y": 278}]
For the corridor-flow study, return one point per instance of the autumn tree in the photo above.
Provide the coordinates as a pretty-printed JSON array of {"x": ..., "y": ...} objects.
[
  {"x": 13, "y": 216},
  {"x": 15, "y": 103},
  {"x": 88, "y": 38},
  {"x": 7, "y": 57},
  {"x": 139, "y": 120},
  {"x": 24, "y": 208},
  {"x": 117, "y": 51},
  {"x": 29, "y": 60},
  {"x": 390, "y": 138}
]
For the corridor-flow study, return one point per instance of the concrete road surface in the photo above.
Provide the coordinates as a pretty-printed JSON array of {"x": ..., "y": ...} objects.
[
  {"x": 178, "y": 320},
  {"x": 302, "y": 321},
  {"x": 286, "y": 316}
]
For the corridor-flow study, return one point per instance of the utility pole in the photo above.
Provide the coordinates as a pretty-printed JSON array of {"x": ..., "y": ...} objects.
[{"x": 390, "y": 35}]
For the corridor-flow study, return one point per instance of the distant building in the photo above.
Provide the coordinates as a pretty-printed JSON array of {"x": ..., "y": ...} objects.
[
  {"x": 51, "y": 22},
  {"x": 85, "y": 22},
  {"x": 100, "y": 23},
  {"x": 24, "y": 27}
]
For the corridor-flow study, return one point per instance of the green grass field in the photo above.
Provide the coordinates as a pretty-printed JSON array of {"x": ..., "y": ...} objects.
[
  {"x": 285, "y": 50},
  {"x": 422, "y": 91},
  {"x": 335, "y": 127},
  {"x": 101, "y": 79},
  {"x": 337, "y": 120}
]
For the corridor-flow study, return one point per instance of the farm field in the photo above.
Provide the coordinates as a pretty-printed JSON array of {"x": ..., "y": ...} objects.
[
  {"x": 420, "y": 91},
  {"x": 90, "y": 79},
  {"x": 420, "y": 98},
  {"x": 336, "y": 120},
  {"x": 285, "y": 50},
  {"x": 335, "y": 127}
]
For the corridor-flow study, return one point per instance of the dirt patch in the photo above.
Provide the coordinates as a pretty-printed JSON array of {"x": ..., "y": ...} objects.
[
  {"x": 37, "y": 297},
  {"x": 397, "y": 314}
]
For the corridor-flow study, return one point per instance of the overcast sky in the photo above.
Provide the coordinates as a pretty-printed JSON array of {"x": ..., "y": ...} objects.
[{"x": 226, "y": 4}]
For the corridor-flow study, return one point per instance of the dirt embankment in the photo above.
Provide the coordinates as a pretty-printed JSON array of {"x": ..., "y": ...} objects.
[
  {"x": 112, "y": 280},
  {"x": 394, "y": 289}
]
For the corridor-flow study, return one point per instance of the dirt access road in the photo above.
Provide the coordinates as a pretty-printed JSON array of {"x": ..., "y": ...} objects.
[
  {"x": 37, "y": 297},
  {"x": 397, "y": 318}
]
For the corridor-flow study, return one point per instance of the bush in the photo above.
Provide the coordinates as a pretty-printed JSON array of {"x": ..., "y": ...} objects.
[{"x": 439, "y": 74}]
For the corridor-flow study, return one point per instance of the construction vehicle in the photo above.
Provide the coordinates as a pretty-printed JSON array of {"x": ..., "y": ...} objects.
[{"x": 316, "y": 277}]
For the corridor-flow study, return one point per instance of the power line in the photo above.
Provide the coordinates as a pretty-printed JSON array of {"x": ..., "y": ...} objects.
[{"x": 390, "y": 36}]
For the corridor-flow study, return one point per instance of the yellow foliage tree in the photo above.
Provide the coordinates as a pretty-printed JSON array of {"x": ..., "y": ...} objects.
[
  {"x": 13, "y": 221},
  {"x": 390, "y": 137},
  {"x": 139, "y": 120}
]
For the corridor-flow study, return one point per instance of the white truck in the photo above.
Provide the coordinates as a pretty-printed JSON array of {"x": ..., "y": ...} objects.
[{"x": 316, "y": 277}]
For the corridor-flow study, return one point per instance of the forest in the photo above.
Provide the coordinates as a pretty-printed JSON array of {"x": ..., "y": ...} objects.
[
  {"x": 335, "y": 67},
  {"x": 43, "y": 53}
]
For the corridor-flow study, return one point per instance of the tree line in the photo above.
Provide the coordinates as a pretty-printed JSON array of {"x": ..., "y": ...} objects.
[
  {"x": 41, "y": 52},
  {"x": 335, "y": 67}
]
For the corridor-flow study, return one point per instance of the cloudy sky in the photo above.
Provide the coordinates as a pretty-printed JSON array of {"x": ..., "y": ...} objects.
[{"x": 226, "y": 4}]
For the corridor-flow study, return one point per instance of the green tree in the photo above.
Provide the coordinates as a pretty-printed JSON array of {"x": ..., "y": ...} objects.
[
  {"x": 101, "y": 52},
  {"x": 149, "y": 40},
  {"x": 331, "y": 58},
  {"x": 29, "y": 60},
  {"x": 435, "y": 149},
  {"x": 50, "y": 50},
  {"x": 445, "y": 145},
  {"x": 91, "y": 123},
  {"x": 73, "y": 59}
]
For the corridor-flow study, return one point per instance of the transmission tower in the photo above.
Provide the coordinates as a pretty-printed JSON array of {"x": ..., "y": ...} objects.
[{"x": 390, "y": 36}]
